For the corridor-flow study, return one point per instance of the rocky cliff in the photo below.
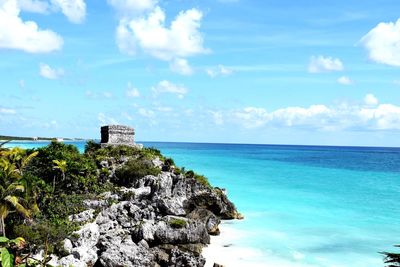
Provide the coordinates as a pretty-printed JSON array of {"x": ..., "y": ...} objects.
[{"x": 159, "y": 220}]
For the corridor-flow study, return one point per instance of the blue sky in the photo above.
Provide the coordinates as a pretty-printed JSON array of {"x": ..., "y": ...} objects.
[{"x": 291, "y": 72}]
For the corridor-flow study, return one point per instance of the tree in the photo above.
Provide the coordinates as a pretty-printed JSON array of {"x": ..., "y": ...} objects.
[
  {"x": 62, "y": 166},
  {"x": 12, "y": 164},
  {"x": 393, "y": 259}
]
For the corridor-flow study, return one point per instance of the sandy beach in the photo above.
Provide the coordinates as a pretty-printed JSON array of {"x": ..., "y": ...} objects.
[{"x": 225, "y": 249}]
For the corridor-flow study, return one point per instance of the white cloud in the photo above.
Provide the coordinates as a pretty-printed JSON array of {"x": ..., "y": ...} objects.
[
  {"x": 148, "y": 113},
  {"x": 74, "y": 10},
  {"x": 324, "y": 64},
  {"x": 8, "y": 111},
  {"x": 181, "y": 39},
  {"x": 371, "y": 100},
  {"x": 383, "y": 43},
  {"x": 127, "y": 116},
  {"x": 396, "y": 82},
  {"x": 50, "y": 73},
  {"x": 99, "y": 95},
  {"x": 24, "y": 35},
  {"x": 344, "y": 80},
  {"x": 220, "y": 70},
  {"x": 107, "y": 94},
  {"x": 168, "y": 87},
  {"x": 34, "y": 6},
  {"x": 105, "y": 120},
  {"x": 126, "y": 41},
  {"x": 131, "y": 8},
  {"x": 181, "y": 66},
  {"x": 218, "y": 117},
  {"x": 368, "y": 116},
  {"x": 132, "y": 91}
]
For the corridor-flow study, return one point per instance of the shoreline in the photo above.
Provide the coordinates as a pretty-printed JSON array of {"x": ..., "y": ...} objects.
[{"x": 225, "y": 249}]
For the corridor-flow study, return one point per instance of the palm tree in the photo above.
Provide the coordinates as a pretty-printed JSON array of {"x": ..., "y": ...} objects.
[
  {"x": 393, "y": 259},
  {"x": 10, "y": 202},
  {"x": 12, "y": 164},
  {"x": 62, "y": 166}
]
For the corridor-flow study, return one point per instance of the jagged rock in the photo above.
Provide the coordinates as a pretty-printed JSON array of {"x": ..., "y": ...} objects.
[
  {"x": 124, "y": 252},
  {"x": 171, "y": 206},
  {"x": 163, "y": 220},
  {"x": 68, "y": 246},
  {"x": 84, "y": 216},
  {"x": 190, "y": 232},
  {"x": 210, "y": 220},
  {"x": 83, "y": 250},
  {"x": 218, "y": 265},
  {"x": 70, "y": 260},
  {"x": 185, "y": 259},
  {"x": 157, "y": 162},
  {"x": 137, "y": 193}
]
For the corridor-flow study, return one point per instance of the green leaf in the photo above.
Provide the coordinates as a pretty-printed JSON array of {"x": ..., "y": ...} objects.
[
  {"x": 4, "y": 239},
  {"x": 7, "y": 259}
]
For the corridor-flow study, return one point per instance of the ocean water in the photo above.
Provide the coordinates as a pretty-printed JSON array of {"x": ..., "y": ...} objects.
[{"x": 303, "y": 205}]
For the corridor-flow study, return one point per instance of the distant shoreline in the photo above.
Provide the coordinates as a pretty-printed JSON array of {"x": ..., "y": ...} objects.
[{"x": 36, "y": 139}]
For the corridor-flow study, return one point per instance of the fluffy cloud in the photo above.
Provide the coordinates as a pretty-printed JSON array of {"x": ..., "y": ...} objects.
[
  {"x": 24, "y": 35},
  {"x": 106, "y": 120},
  {"x": 324, "y": 64},
  {"x": 168, "y": 87},
  {"x": 7, "y": 111},
  {"x": 34, "y": 6},
  {"x": 344, "y": 80},
  {"x": 371, "y": 100},
  {"x": 74, "y": 10},
  {"x": 132, "y": 91},
  {"x": 99, "y": 95},
  {"x": 367, "y": 116},
  {"x": 383, "y": 43},
  {"x": 220, "y": 70},
  {"x": 50, "y": 73},
  {"x": 181, "y": 39},
  {"x": 147, "y": 113},
  {"x": 181, "y": 66},
  {"x": 129, "y": 8}
]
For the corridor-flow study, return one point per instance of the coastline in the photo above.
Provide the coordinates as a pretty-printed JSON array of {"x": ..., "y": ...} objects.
[{"x": 225, "y": 249}]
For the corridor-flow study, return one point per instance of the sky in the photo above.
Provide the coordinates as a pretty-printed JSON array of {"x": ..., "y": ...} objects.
[{"x": 227, "y": 71}]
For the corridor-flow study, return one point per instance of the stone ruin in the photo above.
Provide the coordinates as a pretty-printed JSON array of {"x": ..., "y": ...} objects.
[{"x": 117, "y": 135}]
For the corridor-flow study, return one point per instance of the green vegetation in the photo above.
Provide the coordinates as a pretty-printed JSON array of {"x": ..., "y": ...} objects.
[
  {"x": 200, "y": 178},
  {"x": 40, "y": 188},
  {"x": 177, "y": 223},
  {"x": 392, "y": 259},
  {"x": 134, "y": 169}
]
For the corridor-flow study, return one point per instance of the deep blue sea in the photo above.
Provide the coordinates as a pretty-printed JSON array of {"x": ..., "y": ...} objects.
[{"x": 303, "y": 205}]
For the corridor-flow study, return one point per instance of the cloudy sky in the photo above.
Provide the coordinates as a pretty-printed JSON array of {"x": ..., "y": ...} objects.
[{"x": 243, "y": 71}]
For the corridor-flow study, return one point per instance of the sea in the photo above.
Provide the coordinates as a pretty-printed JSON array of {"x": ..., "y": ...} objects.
[{"x": 304, "y": 206}]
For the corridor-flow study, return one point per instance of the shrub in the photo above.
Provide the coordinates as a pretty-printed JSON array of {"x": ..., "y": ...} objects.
[
  {"x": 91, "y": 147},
  {"x": 134, "y": 169},
  {"x": 177, "y": 223},
  {"x": 200, "y": 178},
  {"x": 80, "y": 174}
]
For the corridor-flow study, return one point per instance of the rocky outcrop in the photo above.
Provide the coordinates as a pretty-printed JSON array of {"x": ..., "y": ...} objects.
[{"x": 162, "y": 220}]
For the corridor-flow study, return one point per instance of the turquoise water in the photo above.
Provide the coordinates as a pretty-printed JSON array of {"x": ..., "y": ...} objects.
[{"x": 304, "y": 205}]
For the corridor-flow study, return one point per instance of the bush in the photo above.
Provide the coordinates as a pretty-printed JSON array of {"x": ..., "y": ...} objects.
[
  {"x": 200, "y": 178},
  {"x": 134, "y": 169},
  {"x": 177, "y": 223},
  {"x": 91, "y": 147},
  {"x": 80, "y": 174}
]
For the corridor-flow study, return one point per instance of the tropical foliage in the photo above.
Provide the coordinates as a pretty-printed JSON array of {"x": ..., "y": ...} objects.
[
  {"x": 40, "y": 188},
  {"x": 392, "y": 259}
]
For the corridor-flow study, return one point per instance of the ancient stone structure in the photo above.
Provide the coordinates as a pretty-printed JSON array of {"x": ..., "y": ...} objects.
[{"x": 117, "y": 135}]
